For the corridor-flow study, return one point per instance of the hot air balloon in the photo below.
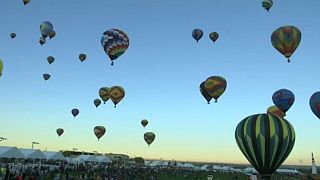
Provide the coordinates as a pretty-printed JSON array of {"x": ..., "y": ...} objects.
[
  {"x": 283, "y": 99},
  {"x": 99, "y": 131},
  {"x": 275, "y": 111},
  {"x": 13, "y": 35},
  {"x": 315, "y": 104},
  {"x": 265, "y": 140},
  {"x": 52, "y": 34},
  {"x": 267, "y": 4},
  {"x": 115, "y": 42},
  {"x": 82, "y": 57},
  {"x": 1, "y": 67},
  {"x": 144, "y": 122},
  {"x": 50, "y": 59},
  {"x": 104, "y": 94},
  {"x": 149, "y": 137},
  {"x": 197, "y": 34},
  {"x": 215, "y": 86},
  {"x": 97, "y": 102},
  {"x": 25, "y": 2},
  {"x": 60, "y": 131},
  {"x": 46, "y": 76},
  {"x": 42, "y": 41},
  {"x": 286, "y": 39},
  {"x": 214, "y": 36},
  {"x": 204, "y": 92},
  {"x": 75, "y": 112},
  {"x": 45, "y": 28},
  {"x": 116, "y": 94}
]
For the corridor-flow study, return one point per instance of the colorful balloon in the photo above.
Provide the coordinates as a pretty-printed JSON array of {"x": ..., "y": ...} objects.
[
  {"x": 59, "y": 131},
  {"x": 104, "y": 94},
  {"x": 286, "y": 39},
  {"x": 13, "y": 35},
  {"x": 46, "y": 76},
  {"x": 144, "y": 122},
  {"x": 42, "y": 41},
  {"x": 267, "y": 4},
  {"x": 204, "y": 92},
  {"x": 283, "y": 99},
  {"x": 97, "y": 102},
  {"x": 50, "y": 59},
  {"x": 1, "y": 67},
  {"x": 116, "y": 94},
  {"x": 115, "y": 42},
  {"x": 149, "y": 137},
  {"x": 99, "y": 131},
  {"x": 82, "y": 57},
  {"x": 45, "y": 28},
  {"x": 197, "y": 34},
  {"x": 315, "y": 103},
  {"x": 266, "y": 141},
  {"x": 52, "y": 34},
  {"x": 215, "y": 86},
  {"x": 25, "y": 2},
  {"x": 275, "y": 111},
  {"x": 75, "y": 112},
  {"x": 214, "y": 36}
]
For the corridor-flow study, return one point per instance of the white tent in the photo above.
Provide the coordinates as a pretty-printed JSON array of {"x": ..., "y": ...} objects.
[
  {"x": 56, "y": 156},
  {"x": 104, "y": 159},
  {"x": 10, "y": 152},
  {"x": 86, "y": 158},
  {"x": 32, "y": 154}
]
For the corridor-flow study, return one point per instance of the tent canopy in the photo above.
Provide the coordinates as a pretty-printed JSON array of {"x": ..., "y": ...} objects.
[
  {"x": 104, "y": 159},
  {"x": 86, "y": 158},
  {"x": 51, "y": 155},
  {"x": 32, "y": 153},
  {"x": 10, "y": 152}
]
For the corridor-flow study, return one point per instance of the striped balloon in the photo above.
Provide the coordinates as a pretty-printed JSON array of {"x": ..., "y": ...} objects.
[
  {"x": 266, "y": 141},
  {"x": 214, "y": 36},
  {"x": 197, "y": 34},
  {"x": 275, "y": 111},
  {"x": 286, "y": 39},
  {"x": 1, "y": 67},
  {"x": 116, "y": 94},
  {"x": 315, "y": 103},
  {"x": 115, "y": 42},
  {"x": 149, "y": 137},
  {"x": 215, "y": 86},
  {"x": 267, "y": 4},
  {"x": 99, "y": 131},
  {"x": 46, "y": 27}
]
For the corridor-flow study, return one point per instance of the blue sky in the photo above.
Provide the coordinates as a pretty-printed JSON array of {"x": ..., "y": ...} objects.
[{"x": 160, "y": 72}]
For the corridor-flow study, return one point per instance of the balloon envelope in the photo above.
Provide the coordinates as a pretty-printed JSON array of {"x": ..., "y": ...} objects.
[
  {"x": 265, "y": 140},
  {"x": 197, "y": 34},
  {"x": 149, "y": 137},
  {"x": 116, "y": 94},
  {"x": 52, "y": 34},
  {"x": 214, "y": 36},
  {"x": 25, "y": 2},
  {"x": 275, "y": 111},
  {"x": 75, "y": 112},
  {"x": 1, "y": 67},
  {"x": 97, "y": 102},
  {"x": 42, "y": 41},
  {"x": 46, "y": 76},
  {"x": 82, "y": 57},
  {"x": 315, "y": 104},
  {"x": 45, "y": 28},
  {"x": 104, "y": 94},
  {"x": 215, "y": 86},
  {"x": 283, "y": 99},
  {"x": 50, "y": 59},
  {"x": 267, "y": 4},
  {"x": 114, "y": 42},
  {"x": 144, "y": 122},
  {"x": 13, "y": 35},
  {"x": 286, "y": 40},
  {"x": 204, "y": 92},
  {"x": 59, "y": 131},
  {"x": 99, "y": 131}
]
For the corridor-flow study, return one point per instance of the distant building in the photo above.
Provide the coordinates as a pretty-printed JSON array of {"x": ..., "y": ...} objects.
[
  {"x": 314, "y": 167},
  {"x": 118, "y": 158}
]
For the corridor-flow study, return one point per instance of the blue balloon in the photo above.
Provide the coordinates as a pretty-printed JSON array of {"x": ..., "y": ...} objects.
[
  {"x": 283, "y": 99},
  {"x": 197, "y": 34},
  {"x": 315, "y": 104}
]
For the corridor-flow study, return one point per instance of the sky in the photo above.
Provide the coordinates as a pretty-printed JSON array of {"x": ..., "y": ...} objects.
[{"x": 161, "y": 72}]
